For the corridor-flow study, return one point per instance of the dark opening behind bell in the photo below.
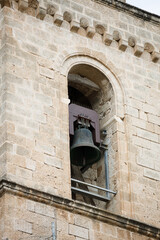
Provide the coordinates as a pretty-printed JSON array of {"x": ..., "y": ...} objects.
[{"x": 83, "y": 152}]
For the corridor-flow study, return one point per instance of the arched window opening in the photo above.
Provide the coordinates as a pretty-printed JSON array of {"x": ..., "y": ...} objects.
[
  {"x": 91, "y": 93},
  {"x": 78, "y": 98}
]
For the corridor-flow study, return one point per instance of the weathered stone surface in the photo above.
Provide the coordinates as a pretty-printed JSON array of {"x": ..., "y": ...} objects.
[
  {"x": 90, "y": 32},
  {"x": 41, "y": 13},
  {"x": 39, "y": 59},
  {"x": 131, "y": 41},
  {"x": 148, "y": 47},
  {"x": 33, "y": 4},
  {"x": 138, "y": 50},
  {"x": 107, "y": 39},
  {"x": 116, "y": 35},
  {"x": 78, "y": 231},
  {"x": 123, "y": 45},
  {"x": 84, "y": 23},
  {"x": 67, "y": 16},
  {"x": 51, "y": 10},
  {"x": 155, "y": 56},
  {"x": 22, "y": 5},
  {"x": 58, "y": 19},
  {"x": 100, "y": 29},
  {"x": 74, "y": 26}
]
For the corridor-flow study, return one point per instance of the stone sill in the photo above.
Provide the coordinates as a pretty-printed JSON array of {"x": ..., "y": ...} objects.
[
  {"x": 79, "y": 208},
  {"x": 137, "y": 12}
]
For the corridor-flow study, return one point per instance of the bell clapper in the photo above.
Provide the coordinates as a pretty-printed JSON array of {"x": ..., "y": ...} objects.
[{"x": 84, "y": 161}]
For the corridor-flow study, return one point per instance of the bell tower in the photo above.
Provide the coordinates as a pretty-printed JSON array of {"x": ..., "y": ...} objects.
[{"x": 79, "y": 121}]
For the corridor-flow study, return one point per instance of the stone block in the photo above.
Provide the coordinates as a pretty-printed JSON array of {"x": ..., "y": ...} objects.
[
  {"x": 146, "y": 158},
  {"x": 62, "y": 226},
  {"x": 122, "y": 45},
  {"x": 45, "y": 210},
  {"x": 25, "y": 132},
  {"x": 65, "y": 25},
  {"x": 46, "y": 72},
  {"x": 78, "y": 231},
  {"x": 157, "y": 129},
  {"x": 142, "y": 142},
  {"x": 39, "y": 117},
  {"x": 84, "y": 22},
  {"x": 147, "y": 135},
  {"x": 157, "y": 163},
  {"x": 139, "y": 123},
  {"x": 77, "y": 7},
  {"x": 30, "y": 205},
  {"x": 131, "y": 41},
  {"x": 82, "y": 32},
  {"x": 74, "y": 26},
  {"x": 107, "y": 39},
  {"x": 31, "y": 11},
  {"x": 33, "y": 125},
  {"x": 67, "y": 16},
  {"x": 11, "y": 97},
  {"x": 30, "y": 164},
  {"x": 149, "y": 47},
  {"x": 155, "y": 56},
  {"x": 53, "y": 161},
  {"x": 41, "y": 13},
  {"x": 45, "y": 100},
  {"x": 116, "y": 35},
  {"x": 22, "y": 5},
  {"x": 90, "y": 32},
  {"x": 22, "y": 151},
  {"x": 132, "y": 111},
  {"x": 153, "y": 119},
  {"x": 51, "y": 10},
  {"x": 148, "y": 108},
  {"x": 152, "y": 174},
  {"x": 77, "y": 238},
  {"x": 48, "y": 18},
  {"x": 100, "y": 28},
  {"x": 82, "y": 221},
  {"x": 46, "y": 148},
  {"x": 138, "y": 50},
  {"x": 24, "y": 173},
  {"x": 58, "y": 19},
  {"x": 93, "y": 14},
  {"x": 23, "y": 226}
]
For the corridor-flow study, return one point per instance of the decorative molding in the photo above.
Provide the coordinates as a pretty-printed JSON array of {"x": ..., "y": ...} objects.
[
  {"x": 77, "y": 207},
  {"x": 57, "y": 18},
  {"x": 132, "y": 10},
  {"x": 111, "y": 121}
]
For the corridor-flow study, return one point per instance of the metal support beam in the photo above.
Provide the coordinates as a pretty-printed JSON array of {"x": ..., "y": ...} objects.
[{"x": 91, "y": 194}]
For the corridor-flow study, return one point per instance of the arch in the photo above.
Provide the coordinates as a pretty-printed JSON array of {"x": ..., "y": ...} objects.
[
  {"x": 65, "y": 63},
  {"x": 79, "y": 58}
]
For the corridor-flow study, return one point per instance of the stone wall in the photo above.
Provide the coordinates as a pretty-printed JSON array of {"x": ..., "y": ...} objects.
[
  {"x": 39, "y": 45},
  {"x": 29, "y": 219}
]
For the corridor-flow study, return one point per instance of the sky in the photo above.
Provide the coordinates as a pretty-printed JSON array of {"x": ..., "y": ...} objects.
[{"x": 152, "y": 6}]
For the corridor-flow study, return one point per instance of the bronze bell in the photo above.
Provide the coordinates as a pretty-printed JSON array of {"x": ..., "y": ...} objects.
[{"x": 83, "y": 151}]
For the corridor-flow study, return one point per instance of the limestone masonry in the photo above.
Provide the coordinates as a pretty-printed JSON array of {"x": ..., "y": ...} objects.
[{"x": 108, "y": 52}]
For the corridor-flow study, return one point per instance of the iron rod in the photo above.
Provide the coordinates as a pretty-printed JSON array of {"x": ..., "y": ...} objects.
[
  {"x": 106, "y": 171},
  {"x": 93, "y": 186},
  {"x": 90, "y": 194},
  {"x": 54, "y": 230}
]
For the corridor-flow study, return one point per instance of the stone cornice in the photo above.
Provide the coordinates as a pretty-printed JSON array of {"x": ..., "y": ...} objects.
[
  {"x": 79, "y": 208},
  {"x": 52, "y": 16},
  {"x": 140, "y": 13}
]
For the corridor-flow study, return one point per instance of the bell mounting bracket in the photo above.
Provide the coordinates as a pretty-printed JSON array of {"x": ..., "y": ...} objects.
[
  {"x": 83, "y": 121},
  {"x": 86, "y": 118}
]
